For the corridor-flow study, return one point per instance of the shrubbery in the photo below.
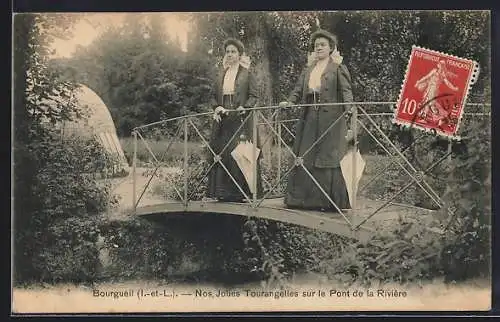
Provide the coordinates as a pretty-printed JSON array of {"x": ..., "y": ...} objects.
[
  {"x": 468, "y": 240},
  {"x": 56, "y": 226},
  {"x": 138, "y": 249},
  {"x": 58, "y": 202},
  {"x": 67, "y": 251},
  {"x": 207, "y": 247}
]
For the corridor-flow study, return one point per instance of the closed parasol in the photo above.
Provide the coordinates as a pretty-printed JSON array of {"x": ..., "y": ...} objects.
[
  {"x": 352, "y": 166},
  {"x": 246, "y": 158}
]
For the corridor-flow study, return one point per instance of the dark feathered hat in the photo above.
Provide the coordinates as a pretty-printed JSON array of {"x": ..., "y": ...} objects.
[
  {"x": 323, "y": 34},
  {"x": 238, "y": 44}
]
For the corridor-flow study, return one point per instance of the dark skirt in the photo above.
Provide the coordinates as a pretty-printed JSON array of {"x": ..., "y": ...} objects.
[
  {"x": 302, "y": 191},
  {"x": 220, "y": 184}
]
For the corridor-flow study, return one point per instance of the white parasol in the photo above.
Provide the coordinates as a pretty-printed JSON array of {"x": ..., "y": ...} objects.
[
  {"x": 351, "y": 162},
  {"x": 244, "y": 156}
]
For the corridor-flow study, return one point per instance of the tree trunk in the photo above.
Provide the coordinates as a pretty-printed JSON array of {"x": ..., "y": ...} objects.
[{"x": 258, "y": 52}]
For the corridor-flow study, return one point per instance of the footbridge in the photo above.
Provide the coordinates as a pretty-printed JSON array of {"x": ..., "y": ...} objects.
[{"x": 402, "y": 177}]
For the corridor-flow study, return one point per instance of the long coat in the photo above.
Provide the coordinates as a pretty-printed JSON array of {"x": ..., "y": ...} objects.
[
  {"x": 245, "y": 88},
  {"x": 245, "y": 94},
  {"x": 335, "y": 88}
]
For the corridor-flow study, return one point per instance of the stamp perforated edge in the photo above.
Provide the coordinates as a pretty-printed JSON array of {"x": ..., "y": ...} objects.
[{"x": 470, "y": 81}]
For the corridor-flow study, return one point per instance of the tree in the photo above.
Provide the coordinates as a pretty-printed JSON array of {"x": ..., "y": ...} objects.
[
  {"x": 52, "y": 190},
  {"x": 135, "y": 68}
]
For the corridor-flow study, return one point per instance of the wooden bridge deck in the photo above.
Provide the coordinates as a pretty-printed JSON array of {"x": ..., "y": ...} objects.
[{"x": 274, "y": 209}]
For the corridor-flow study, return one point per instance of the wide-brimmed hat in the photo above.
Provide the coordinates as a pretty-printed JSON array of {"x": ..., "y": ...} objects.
[
  {"x": 323, "y": 34},
  {"x": 238, "y": 44}
]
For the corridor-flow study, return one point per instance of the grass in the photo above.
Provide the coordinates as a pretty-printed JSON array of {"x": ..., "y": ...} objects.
[{"x": 144, "y": 157}]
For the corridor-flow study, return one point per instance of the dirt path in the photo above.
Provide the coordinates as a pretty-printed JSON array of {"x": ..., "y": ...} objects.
[{"x": 123, "y": 188}]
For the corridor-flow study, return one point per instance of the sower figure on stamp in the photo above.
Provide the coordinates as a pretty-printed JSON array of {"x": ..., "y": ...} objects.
[
  {"x": 324, "y": 80},
  {"x": 235, "y": 88},
  {"x": 429, "y": 85}
]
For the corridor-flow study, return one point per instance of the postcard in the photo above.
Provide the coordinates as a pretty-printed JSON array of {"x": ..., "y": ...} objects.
[{"x": 251, "y": 161}]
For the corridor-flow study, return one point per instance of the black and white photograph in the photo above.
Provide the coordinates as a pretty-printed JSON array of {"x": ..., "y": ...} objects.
[{"x": 251, "y": 161}]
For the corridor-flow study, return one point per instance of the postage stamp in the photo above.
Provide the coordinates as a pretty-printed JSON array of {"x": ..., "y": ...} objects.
[{"x": 434, "y": 91}]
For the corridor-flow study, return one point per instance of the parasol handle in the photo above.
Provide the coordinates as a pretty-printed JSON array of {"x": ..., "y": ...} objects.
[
  {"x": 243, "y": 136},
  {"x": 351, "y": 142}
]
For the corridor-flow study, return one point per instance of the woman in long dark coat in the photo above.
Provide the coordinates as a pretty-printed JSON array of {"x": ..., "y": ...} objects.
[
  {"x": 235, "y": 88},
  {"x": 325, "y": 80}
]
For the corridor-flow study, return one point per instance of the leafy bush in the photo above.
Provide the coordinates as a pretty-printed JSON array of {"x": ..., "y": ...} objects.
[
  {"x": 468, "y": 239},
  {"x": 138, "y": 249},
  {"x": 69, "y": 251},
  {"x": 180, "y": 248},
  {"x": 57, "y": 199},
  {"x": 279, "y": 250},
  {"x": 55, "y": 226},
  {"x": 403, "y": 253}
]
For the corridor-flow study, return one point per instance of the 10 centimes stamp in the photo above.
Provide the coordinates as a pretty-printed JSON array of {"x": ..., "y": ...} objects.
[{"x": 434, "y": 92}]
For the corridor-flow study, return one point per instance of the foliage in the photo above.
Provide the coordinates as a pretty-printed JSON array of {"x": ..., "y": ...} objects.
[
  {"x": 176, "y": 248},
  {"x": 55, "y": 227},
  {"x": 57, "y": 201},
  {"x": 138, "y": 249},
  {"x": 196, "y": 179},
  {"x": 404, "y": 253},
  {"x": 123, "y": 61},
  {"x": 468, "y": 240},
  {"x": 67, "y": 251}
]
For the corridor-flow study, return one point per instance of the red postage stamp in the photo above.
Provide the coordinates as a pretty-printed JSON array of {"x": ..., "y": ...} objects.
[{"x": 434, "y": 91}]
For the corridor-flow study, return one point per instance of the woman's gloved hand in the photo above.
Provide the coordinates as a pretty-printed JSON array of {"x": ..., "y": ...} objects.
[
  {"x": 285, "y": 104},
  {"x": 241, "y": 109},
  {"x": 350, "y": 137},
  {"x": 217, "y": 113}
]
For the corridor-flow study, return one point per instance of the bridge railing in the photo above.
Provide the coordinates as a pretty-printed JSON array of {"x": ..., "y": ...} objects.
[{"x": 184, "y": 130}]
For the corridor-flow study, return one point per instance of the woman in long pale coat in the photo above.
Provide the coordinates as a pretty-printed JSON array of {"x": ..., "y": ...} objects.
[
  {"x": 235, "y": 88},
  {"x": 324, "y": 80}
]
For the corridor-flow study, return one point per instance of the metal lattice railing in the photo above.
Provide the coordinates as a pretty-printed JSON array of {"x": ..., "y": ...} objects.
[{"x": 270, "y": 118}]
